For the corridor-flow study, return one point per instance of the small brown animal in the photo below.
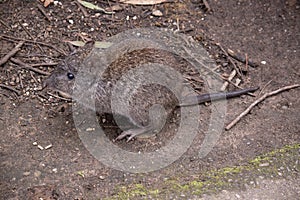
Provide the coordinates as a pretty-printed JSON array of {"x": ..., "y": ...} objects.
[{"x": 141, "y": 99}]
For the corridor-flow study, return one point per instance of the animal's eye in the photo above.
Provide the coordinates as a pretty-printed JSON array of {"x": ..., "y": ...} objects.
[{"x": 70, "y": 75}]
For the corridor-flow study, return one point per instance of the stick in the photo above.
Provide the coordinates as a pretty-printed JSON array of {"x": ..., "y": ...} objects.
[
  {"x": 241, "y": 58},
  {"x": 246, "y": 64},
  {"x": 29, "y": 34},
  {"x": 4, "y": 24},
  {"x": 230, "y": 60},
  {"x": 35, "y": 42},
  {"x": 212, "y": 71},
  {"x": 231, "y": 124},
  {"x": 26, "y": 66},
  {"x": 21, "y": 82},
  {"x": 43, "y": 64},
  {"x": 231, "y": 76},
  {"x": 207, "y": 5},
  {"x": 10, "y": 88},
  {"x": 58, "y": 97},
  {"x": 83, "y": 10},
  {"x": 43, "y": 12},
  {"x": 11, "y": 53},
  {"x": 31, "y": 74},
  {"x": 263, "y": 89}
]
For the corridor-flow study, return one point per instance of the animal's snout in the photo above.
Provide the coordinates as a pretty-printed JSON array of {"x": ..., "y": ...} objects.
[
  {"x": 50, "y": 82},
  {"x": 46, "y": 83}
]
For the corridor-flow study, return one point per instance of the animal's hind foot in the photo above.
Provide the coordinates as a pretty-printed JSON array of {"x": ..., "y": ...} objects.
[{"x": 132, "y": 133}]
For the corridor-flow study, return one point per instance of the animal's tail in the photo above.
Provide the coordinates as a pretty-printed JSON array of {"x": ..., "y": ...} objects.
[{"x": 189, "y": 101}]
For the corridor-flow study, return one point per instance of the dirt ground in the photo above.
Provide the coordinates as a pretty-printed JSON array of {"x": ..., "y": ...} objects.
[{"x": 265, "y": 144}]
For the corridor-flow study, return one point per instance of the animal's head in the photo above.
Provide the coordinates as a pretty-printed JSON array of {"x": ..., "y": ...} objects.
[{"x": 63, "y": 77}]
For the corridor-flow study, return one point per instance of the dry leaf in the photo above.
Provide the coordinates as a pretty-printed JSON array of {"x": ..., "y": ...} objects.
[
  {"x": 77, "y": 43},
  {"x": 102, "y": 45},
  {"x": 93, "y": 7},
  {"x": 47, "y": 2},
  {"x": 143, "y": 2}
]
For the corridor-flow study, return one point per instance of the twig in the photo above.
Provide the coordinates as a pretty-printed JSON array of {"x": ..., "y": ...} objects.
[
  {"x": 177, "y": 24},
  {"x": 26, "y": 66},
  {"x": 10, "y": 88},
  {"x": 35, "y": 42},
  {"x": 4, "y": 24},
  {"x": 241, "y": 58},
  {"x": 43, "y": 64},
  {"x": 11, "y": 53},
  {"x": 186, "y": 30},
  {"x": 42, "y": 96},
  {"x": 231, "y": 76},
  {"x": 262, "y": 90},
  {"x": 1, "y": 93},
  {"x": 56, "y": 96},
  {"x": 32, "y": 76},
  {"x": 207, "y": 5},
  {"x": 231, "y": 124},
  {"x": 43, "y": 12},
  {"x": 246, "y": 63},
  {"x": 230, "y": 60},
  {"x": 83, "y": 10},
  {"x": 211, "y": 70},
  {"x": 21, "y": 82},
  {"x": 28, "y": 33}
]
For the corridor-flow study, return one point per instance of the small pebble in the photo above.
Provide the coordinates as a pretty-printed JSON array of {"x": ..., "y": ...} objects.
[
  {"x": 37, "y": 173},
  {"x": 284, "y": 107},
  {"x": 224, "y": 64},
  {"x": 157, "y": 13},
  {"x": 57, "y": 3},
  {"x": 40, "y": 147},
  {"x": 49, "y": 146},
  {"x": 264, "y": 164},
  {"x": 71, "y": 21},
  {"x": 26, "y": 173},
  {"x": 263, "y": 62},
  {"x": 90, "y": 129}
]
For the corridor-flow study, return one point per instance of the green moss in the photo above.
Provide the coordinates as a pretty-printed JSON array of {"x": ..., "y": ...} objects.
[
  {"x": 139, "y": 190},
  {"x": 258, "y": 160},
  {"x": 134, "y": 191},
  {"x": 230, "y": 170},
  {"x": 266, "y": 157},
  {"x": 214, "y": 180},
  {"x": 197, "y": 184}
]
